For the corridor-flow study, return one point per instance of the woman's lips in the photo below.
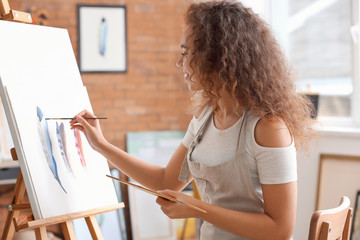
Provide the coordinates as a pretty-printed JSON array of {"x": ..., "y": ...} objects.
[{"x": 186, "y": 76}]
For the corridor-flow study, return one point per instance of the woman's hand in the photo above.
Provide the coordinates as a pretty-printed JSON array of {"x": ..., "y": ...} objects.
[
  {"x": 90, "y": 128},
  {"x": 175, "y": 210}
]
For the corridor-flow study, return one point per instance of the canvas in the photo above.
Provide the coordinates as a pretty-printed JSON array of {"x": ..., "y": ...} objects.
[
  {"x": 40, "y": 79},
  {"x": 5, "y": 137},
  {"x": 32, "y": 54},
  {"x": 112, "y": 224},
  {"x": 62, "y": 170}
]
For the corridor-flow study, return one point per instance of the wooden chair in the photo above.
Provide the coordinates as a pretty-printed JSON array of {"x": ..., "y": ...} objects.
[{"x": 332, "y": 223}]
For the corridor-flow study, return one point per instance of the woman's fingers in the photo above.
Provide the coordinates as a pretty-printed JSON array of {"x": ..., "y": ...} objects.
[
  {"x": 171, "y": 193},
  {"x": 86, "y": 113},
  {"x": 162, "y": 201},
  {"x": 82, "y": 121},
  {"x": 78, "y": 127},
  {"x": 90, "y": 128}
]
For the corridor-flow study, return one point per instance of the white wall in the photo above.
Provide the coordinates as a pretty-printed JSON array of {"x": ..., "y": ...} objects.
[{"x": 339, "y": 142}]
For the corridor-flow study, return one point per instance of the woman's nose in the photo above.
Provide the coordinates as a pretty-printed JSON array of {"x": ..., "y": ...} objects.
[{"x": 179, "y": 62}]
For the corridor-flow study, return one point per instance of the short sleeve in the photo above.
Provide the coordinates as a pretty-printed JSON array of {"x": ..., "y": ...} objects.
[
  {"x": 277, "y": 165},
  {"x": 190, "y": 134}
]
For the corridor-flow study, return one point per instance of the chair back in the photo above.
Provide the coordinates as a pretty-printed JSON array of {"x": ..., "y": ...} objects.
[{"x": 332, "y": 224}]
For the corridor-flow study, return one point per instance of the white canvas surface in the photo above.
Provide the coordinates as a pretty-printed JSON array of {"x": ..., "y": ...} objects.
[
  {"x": 112, "y": 224},
  {"x": 32, "y": 54},
  {"x": 38, "y": 69},
  {"x": 5, "y": 137}
]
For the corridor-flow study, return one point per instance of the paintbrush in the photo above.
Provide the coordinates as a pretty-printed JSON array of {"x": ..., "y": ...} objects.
[
  {"x": 156, "y": 193},
  {"x": 74, "y": 118}
]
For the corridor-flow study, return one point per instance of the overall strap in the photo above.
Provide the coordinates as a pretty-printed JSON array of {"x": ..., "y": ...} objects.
[
  {"x": 242, "y": 135},
  {"x": 184, "y": 174}
]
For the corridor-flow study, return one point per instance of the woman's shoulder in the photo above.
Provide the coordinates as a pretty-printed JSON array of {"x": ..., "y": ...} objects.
[{"x": 271, "y": 131}]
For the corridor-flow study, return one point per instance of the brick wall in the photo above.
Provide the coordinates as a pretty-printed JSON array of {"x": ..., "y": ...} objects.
[{"x": 151, "y": 95}]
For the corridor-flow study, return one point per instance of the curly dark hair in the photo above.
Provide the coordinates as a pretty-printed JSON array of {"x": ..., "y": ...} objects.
[{"x": 235, "y": 43}]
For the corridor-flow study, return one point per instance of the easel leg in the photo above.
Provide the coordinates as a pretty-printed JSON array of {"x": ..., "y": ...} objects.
[
  {"x": 19, "y": 192},
  {"x": 68, "y": 230},
  {"x": 94, "y": 228},
  {"x": 40, "y": 233}
]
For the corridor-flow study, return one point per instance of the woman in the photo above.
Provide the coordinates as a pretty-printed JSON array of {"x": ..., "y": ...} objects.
[{"x": 240, "y": 144}]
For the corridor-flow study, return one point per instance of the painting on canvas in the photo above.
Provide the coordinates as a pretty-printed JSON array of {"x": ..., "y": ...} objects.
[
  {"x": 40, "y": 79},
  {"x": 65, "y": 174}
]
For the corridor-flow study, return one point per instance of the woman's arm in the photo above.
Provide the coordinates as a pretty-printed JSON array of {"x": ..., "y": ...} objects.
[
  {"x": 147, "y": 174},
  {"x": 277, "y": 222},
  {"x": 150, "y": 175},
  {"x": 278, "y": 219}
]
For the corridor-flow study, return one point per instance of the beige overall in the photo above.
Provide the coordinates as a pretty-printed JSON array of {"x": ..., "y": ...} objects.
[{"x": 227, "y": 185}]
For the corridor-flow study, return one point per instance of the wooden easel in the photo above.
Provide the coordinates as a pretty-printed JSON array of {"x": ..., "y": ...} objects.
[
  {"x": 12, "y": 15},
  {"x": 13, "y": 221}
]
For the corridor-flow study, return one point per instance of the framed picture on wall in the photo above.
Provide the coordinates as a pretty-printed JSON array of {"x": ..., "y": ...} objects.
[
  {"x": 338, "y": 176},
  {"x": 102, "y": 38}
]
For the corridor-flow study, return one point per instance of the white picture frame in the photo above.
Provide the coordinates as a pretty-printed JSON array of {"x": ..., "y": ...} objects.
[{"x": 102, "y": 39}]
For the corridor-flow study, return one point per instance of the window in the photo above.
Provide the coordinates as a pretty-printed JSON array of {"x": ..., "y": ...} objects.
[{"x": 316, "y": 37}]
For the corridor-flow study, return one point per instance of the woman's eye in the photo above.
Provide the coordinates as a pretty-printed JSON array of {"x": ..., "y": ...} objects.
[{"x": 184, "y": 54}]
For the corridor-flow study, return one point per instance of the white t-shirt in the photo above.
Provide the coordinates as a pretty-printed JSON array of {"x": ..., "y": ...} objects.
[{"x": 267, "y": 165}]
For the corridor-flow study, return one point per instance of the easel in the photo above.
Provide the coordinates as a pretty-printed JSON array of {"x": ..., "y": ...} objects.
[
  {"x": 12, "y": 15},
  {"x": 13, "y": 223}
]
